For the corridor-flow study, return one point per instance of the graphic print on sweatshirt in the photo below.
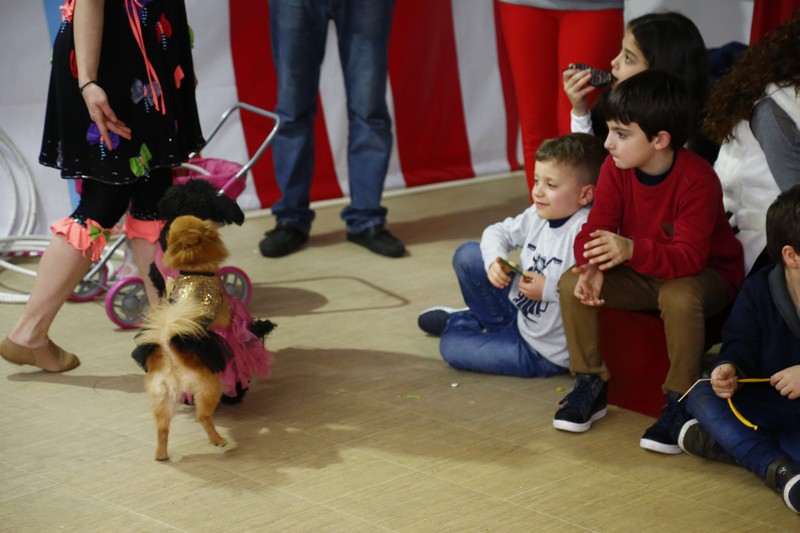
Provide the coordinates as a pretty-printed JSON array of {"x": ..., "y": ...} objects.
[{"x": 533, "y": 309}]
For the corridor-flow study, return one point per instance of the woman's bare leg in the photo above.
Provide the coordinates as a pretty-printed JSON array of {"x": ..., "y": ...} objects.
[{"x": 61, "y": 268}]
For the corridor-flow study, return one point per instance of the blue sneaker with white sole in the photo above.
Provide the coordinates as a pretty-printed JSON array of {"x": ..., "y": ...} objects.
[{"x": 434, "y": 319}]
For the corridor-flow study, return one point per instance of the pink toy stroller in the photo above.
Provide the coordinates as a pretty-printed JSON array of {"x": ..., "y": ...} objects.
[{"x": 126, "y": 301}]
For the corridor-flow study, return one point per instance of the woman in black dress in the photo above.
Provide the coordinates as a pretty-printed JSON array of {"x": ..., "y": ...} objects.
[{"x": 121, "y": 112}]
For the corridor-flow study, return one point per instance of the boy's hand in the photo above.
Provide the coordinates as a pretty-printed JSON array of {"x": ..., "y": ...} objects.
[
  {"x": 531, "y": 285},
  {"x": 607, "y": 250},
  {"x": 724, "y": 380},
  {"x": 590, "y": 281},
  {"x": 576, "y": 87},
  {"x": 497, "y": 275},
  {"x": 787, "y": 382}
]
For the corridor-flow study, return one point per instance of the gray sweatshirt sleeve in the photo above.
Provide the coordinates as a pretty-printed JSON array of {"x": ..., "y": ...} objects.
[{"x": 779, "y": 138}]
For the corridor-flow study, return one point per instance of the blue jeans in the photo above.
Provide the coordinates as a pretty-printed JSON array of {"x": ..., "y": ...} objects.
[
  {"x": 298, "y": 30},
  {"x": 777, "y": 418},
  {"x": 486, "y": 338}
]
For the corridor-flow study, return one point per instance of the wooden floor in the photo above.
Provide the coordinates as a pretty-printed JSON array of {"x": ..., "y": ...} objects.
[{"x": 362, "y": 426}]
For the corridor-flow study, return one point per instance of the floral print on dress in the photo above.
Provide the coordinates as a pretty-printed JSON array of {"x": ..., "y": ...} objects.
[
  {"x": 141, "y": 8},
  {"x": 142, "y": 92},
  {"x": 73, "y": 64},
  {"x": 72, "y": 144},
  {"x": 164, "y": 29},
  {"x": 66, "y": 14},
  {"x": 140, "y": 166},
  {"x": 93, "y": 137}
]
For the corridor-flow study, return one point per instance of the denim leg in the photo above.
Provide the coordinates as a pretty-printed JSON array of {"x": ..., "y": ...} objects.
[
  {"x": 363, "y": 35},
  {"x": 486, "y": 338},
  {"x": 777, "y": 418},
  {"x": 467, "y": 345},
  {"x": 298, "y": 31},
  {"x": 490, "y": 305}
]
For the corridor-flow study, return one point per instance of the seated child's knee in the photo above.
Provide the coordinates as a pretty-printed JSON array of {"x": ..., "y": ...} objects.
[
  {"x": 566, "y": 284},
  {"x": 680, "y": 295},
  {"x": 467, "y": 254}
]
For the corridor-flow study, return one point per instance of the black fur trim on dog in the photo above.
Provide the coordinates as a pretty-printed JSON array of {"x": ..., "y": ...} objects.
[
  {"x": 261, "y": 328},
  {"x": 158, "y": 280},
  {"x": 212, "y": 350},
  {"x": 141, "y": 353}
]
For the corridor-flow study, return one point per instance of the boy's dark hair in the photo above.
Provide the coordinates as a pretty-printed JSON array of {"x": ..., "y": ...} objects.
[
  {"x": 783, "y": 223},
  {"x": 580, "y": 151},
  {"x": 655, "y": 100}
]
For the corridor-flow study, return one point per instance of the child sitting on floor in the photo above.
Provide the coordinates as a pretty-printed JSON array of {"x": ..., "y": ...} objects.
[
  {"x": 513, "y": 323},
  {"x": 761, "y": 339},
  {"x": 656, "y": 238}
]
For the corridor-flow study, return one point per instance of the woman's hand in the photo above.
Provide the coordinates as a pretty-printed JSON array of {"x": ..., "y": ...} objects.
[{"x": 102, "y": 115}]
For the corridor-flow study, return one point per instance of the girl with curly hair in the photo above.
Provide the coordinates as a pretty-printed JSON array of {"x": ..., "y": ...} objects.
[{"x": 754, "y": 110}]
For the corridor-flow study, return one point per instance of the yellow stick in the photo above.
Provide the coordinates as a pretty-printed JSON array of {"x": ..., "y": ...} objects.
[{"x": 736, "y": 412}]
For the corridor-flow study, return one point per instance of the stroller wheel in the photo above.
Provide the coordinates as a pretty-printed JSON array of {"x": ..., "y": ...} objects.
[
  {"x": 126, "y": 303},
  {"x": 236, "y": 283},
  {"x": 89, "y": 288}
]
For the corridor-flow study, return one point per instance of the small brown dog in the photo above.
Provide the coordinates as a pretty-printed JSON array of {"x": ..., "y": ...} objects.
[{"x": 175, "y": 346}]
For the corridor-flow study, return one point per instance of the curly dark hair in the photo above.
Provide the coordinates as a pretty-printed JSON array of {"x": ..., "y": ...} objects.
[{"x": 773, "y": 59}]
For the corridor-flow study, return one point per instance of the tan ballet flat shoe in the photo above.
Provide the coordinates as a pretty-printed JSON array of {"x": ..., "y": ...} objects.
[
  {"x": 16, "y": 354},
  {"x": 20, "y": 355}
]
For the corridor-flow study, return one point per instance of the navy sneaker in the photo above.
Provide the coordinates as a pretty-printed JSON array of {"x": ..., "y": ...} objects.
[
  {"x": 378, "y": 239},
  {"x": 434, "y": 319},
  {"x": 662, "y": 437},
  {"x": 586, "y": 403},
  {"x": 784, "y": 476},
  {"x": 695, "y": 440}
]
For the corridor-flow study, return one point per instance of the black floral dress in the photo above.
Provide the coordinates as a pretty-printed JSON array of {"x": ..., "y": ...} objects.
[{"x": 147, "y": 72}]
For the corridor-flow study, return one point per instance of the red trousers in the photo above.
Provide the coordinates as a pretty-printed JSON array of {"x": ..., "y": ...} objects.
[{"x": 541, "y": 43}]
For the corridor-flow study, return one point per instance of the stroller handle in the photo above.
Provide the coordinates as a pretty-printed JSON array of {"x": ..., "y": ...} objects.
[{"x": 261, "y": 149}]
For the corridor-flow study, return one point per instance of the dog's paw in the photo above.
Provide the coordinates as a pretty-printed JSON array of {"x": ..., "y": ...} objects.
[{"x": 162, "y": 457}]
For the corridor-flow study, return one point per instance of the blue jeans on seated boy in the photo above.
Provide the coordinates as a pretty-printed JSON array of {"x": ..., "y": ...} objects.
[
  {"x": 777, "y": 419},
  {"x": 486, "y": 337}
]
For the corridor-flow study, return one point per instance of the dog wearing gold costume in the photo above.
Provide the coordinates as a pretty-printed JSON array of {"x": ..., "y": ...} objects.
[{"x": 180, "y": 352}]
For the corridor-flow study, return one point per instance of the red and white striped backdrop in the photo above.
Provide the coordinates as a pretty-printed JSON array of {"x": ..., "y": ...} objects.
[
  {"x": 446, "y": 95},
  {"x": 449, "y": 91}
]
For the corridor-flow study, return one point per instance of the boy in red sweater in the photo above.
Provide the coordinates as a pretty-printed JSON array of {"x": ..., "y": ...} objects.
[{"x": 656, "y": 238}]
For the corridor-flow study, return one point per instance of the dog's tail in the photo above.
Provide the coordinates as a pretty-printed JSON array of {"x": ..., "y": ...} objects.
[
  {"x": 166, "y": 321},
  {"x": 178, "y": 328}
]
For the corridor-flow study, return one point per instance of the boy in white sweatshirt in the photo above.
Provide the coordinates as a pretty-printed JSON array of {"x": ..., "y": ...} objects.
[{"x": 512, "y": 323}]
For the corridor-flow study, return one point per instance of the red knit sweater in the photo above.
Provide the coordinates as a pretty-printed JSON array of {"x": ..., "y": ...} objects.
[{"x": 678, "y": 227}]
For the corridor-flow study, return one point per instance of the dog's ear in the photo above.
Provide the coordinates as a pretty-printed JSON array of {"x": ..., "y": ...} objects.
[
  {"x": 202, "y": 199},
  {"x": 229, "y": 211}
]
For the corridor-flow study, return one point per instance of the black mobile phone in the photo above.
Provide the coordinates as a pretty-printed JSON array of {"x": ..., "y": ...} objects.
[{"x": 600, "y": 78}]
